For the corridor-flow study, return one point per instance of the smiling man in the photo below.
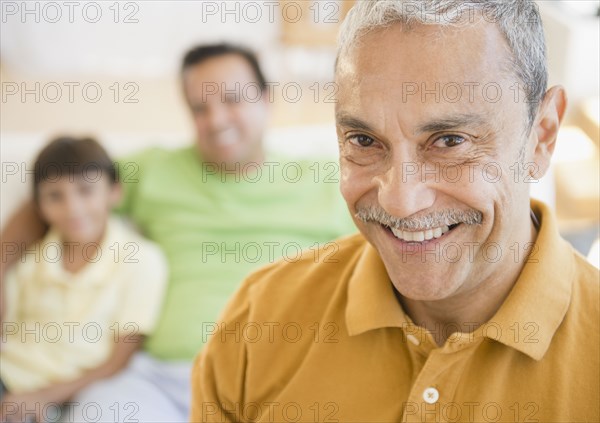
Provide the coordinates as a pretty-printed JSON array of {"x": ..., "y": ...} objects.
[{"x": 458, "y": 301}]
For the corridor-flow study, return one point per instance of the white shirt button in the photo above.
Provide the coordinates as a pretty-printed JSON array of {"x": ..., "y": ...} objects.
[
  {"x": 412, "y": 339},
  {"x": 431, "y": 395}
]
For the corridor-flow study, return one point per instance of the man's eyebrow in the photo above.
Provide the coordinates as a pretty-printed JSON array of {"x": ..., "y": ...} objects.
[
  {"x": 348, "y": 121},
  {"x": 445, "y": 123},
  {"x": 451, "y": 122}
]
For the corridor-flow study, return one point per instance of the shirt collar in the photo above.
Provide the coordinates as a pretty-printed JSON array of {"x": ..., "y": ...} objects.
[
  {"x": 541, "y": 296},
  {"x": 537, "y": 303},
  {"x": 372, "y": 303}
]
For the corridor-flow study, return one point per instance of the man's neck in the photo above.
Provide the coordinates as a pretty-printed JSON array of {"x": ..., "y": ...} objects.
[
  {"x": 247, "y": 164},
  {"x": 469, "y": 309}
]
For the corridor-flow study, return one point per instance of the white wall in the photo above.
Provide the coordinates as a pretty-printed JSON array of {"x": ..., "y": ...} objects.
[
  {"x": 573, "y": 40},
  {"x": 147, "y": 40}
]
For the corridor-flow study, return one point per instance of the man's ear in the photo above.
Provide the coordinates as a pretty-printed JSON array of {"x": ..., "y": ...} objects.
[{"x": 546, "y": 126}]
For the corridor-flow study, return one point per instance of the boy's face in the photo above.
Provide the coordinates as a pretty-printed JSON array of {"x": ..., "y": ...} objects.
[{"x": 78, "y": 207}]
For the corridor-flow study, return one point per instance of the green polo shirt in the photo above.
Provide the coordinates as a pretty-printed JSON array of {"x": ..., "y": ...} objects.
[{"x": 216, "y": 225}]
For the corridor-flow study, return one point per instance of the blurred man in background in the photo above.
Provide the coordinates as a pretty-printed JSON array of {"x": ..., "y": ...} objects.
[{"x": 218, "y": 209}]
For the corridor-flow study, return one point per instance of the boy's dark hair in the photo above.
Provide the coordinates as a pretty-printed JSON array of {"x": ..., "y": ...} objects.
[
  {"x": 70, "y": 156},
  {"x": 202, "y": 53}
]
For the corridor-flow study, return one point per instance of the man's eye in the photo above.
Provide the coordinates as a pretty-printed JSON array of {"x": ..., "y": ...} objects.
[
  {"x": 361, "y": 140},
  {"x": 448, "y": 141}
]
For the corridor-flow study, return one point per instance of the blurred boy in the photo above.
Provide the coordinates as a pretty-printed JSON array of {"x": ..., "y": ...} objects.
[{"x": 80, "y": 301}]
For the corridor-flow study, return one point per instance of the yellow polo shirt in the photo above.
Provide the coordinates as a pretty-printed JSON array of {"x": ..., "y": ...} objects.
[
  {"x": 59, "y": 324},
  {"x": 325, "y": 339}
]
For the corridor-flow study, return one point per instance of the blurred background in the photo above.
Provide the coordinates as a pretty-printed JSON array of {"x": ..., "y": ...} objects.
[{"x": 110, "y": 69}]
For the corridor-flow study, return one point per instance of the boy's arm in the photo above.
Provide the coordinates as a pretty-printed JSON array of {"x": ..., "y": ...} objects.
[
  {"x": 14, "y": 407},
  {"x": 23, "y": 229}
]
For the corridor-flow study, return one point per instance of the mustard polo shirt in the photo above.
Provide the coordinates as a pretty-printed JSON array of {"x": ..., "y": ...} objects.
[
  {"x": 326, "y": 340},
  {"x": 59, "y": 324}
]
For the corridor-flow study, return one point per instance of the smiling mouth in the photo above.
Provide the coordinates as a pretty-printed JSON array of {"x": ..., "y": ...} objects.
[{"x": 420, "y": 236}]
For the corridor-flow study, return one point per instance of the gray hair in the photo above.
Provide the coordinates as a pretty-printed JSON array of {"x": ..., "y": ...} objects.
[
  {"x": 518, "y": 20},
  {"x": 438, "y": 218}
]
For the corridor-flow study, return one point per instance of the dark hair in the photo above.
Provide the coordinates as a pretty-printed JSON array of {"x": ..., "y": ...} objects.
[
  {"x": 202, "y": 53},
  {"x": 73, "y": 157}
]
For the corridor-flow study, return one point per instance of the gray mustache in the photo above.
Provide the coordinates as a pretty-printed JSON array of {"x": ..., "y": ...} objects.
[{"x": 433, "y": 220}]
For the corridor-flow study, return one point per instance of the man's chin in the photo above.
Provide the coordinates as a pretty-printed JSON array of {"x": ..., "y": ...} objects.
[
  {"x": 231, "y": 157},
  {"x": 224, "y": 156},
  {"x": 432, "y": 285}
]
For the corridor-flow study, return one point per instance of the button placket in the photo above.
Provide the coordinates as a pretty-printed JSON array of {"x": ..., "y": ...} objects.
[
  {"x": 432, "y": 388},
  {"x": 413, "y": 339},
  {"x": 431, "y": 395}
]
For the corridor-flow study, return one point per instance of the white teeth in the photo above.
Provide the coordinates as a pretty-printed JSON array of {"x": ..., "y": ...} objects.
[{"x": 420, "y": 236}]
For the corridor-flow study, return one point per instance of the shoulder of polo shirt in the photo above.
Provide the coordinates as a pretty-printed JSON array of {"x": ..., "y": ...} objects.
[{"x": 295, "y": 274}]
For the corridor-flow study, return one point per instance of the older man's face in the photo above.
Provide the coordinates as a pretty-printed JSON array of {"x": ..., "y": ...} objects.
[{"x": 431, "y": 134}]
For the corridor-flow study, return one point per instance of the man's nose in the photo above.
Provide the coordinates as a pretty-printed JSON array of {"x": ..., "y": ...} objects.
[
  {"x": 403, "y": 189},
  {"x": 218, "y": 117}
]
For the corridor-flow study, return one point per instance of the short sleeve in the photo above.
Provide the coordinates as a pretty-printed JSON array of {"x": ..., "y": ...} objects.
[{"x": 144, "y": 286}]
